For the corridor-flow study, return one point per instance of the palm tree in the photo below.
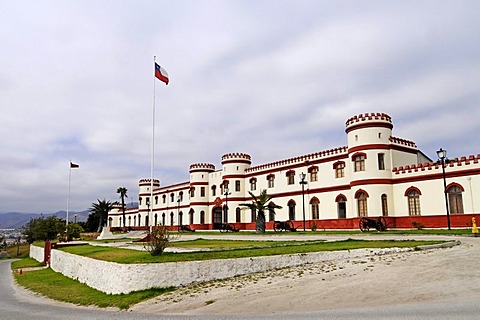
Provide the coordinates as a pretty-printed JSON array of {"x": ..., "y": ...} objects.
[
  {"x": 123, "y": 194},
  {"x": 261, "y": 204},
  {"x": 99, "y": 212}
]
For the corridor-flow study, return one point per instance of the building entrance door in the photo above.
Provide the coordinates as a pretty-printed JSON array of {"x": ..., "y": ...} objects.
[{"x": 217, "y": 217}]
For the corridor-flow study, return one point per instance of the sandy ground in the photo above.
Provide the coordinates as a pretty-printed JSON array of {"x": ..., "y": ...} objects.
[{"x": 421, "y": 276}]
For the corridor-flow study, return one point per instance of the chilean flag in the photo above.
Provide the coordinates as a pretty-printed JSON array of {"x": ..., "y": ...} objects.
[{"x": 161, "y": 74}]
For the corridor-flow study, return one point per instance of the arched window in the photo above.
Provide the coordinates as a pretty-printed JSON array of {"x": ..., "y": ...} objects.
[
  {"x": 238, "y": 215},
  {"x": 341, "y": 206},
  {"x": 164, "y": 198},
  {"x": 139, "y": 219},
  {"x": 291, "y": 210},
  {"x": 140, "y": 201},
  {"x": 202, "y": 217},
  {"x": 163, "y": 218},
  {"x": 455, "y": 200},
  {"x": 171, "y": 218},
  {"x": 315, "y": 208},
  {"x": 253, "y": 215},
  {"x": 271, "y": 213},
  {"x": 146, "y": 220},
  {"x": 190, "y": 214},
  {"x": 313, "y": 173},
  {"x": 180, "y": 218},
  {"x": 339, "y": 167},
  {"x": 290, "y": 177},
  {"x": 384, "y": 205},
  {"x": 110, "y": 220},
  {"x": 271, "y": 180},
  {"x": 362, "y": 207},
  {"x": 359, "y": 161},
  {"x": 413, "y": 196},
  {"x": 253, "y": 184},
  {"x": 129, "y": 221},
  {"x": 172, "y": 197},
  {"x": 214, "y": 190},
  {"x": 156, "y": 199},
  {"x": 134, "y": 221},
  {"x": 156, "y": 219}
]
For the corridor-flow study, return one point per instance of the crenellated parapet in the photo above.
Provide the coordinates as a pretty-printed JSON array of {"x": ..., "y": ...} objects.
[
  {"x": 300, "y": 159},
  {"x": 403, "y": 142},
  {"x": 366, "y": 120},
  {"x": 202, "y": 167},
  {"x": 147, "y": 182},
  {"x": 237, "y": 157},
  {"x": 463, "y": 161}
]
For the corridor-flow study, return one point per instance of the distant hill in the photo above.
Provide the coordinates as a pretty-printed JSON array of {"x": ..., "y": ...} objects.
[{"x": 16, "y": 220}]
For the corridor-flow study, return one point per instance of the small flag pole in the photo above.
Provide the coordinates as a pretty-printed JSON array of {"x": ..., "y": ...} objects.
[{"x": 68, "y": 197}]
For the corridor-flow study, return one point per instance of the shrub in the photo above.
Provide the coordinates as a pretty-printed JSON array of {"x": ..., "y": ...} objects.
[
  {"x": 314, "y": 226},
  {"x": 418, "y": 225},
  {"x": 158, "y": 240}
]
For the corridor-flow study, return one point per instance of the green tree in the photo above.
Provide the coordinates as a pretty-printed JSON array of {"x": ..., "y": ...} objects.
[
  {"x": 73, "y": 231},
  {"x": 260, "y": 205},
  {"x": 44, "y": 229},
  {"x": 123, "y": 194},
  {"x": 98, "y": 214}
]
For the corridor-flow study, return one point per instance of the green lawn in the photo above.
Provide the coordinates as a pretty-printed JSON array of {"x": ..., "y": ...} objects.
[
  {"x": 59, "y": 287},
  {"x": 133, "y": 256}
]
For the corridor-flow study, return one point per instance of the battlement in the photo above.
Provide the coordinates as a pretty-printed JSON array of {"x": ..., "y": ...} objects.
[
  {"x": 368, "y": 117},
  {"x": 236, "y": 157},
  {"x": 435, "y": 165},
  {"x": 300, "y": 159},
  {"x": 202, "y": 167},
  {"x": 404, "y": 142},
  {"x": 147, "y": 182}
]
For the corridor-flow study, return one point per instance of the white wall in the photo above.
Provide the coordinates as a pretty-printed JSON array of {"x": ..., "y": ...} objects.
[{"x": 115, "y": 278}]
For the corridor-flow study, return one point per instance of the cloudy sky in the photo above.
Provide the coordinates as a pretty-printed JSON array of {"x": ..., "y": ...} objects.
[{"x": 274, "y": 79}]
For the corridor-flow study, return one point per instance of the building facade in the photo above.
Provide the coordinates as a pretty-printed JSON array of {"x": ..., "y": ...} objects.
[{"x": 375, "y": 174}]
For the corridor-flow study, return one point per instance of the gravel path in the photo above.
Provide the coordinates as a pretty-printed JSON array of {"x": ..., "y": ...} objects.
[{"x": 438, "y": 275}]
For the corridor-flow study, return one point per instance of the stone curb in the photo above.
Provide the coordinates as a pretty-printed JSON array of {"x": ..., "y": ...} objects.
[{"x": 440, "y": 245}]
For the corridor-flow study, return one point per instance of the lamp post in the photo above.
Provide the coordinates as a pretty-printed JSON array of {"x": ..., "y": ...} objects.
[
  {"x": 178, "y": 212},
  {"x": 442, "y": 155},
  {"x": 303, "y": 183},
  {"x": 148, "y": 214},
  {"x": 225, "y": 211},
  {"x": 75, "y": 218}
]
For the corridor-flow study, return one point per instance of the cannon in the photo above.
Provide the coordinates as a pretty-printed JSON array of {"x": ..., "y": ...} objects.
[
  {"x": 183, "y": 228},
  {"x": 380, "y": 224},
  {"x": 279, "y": 226},
  {"x": 226, "y": 227}
]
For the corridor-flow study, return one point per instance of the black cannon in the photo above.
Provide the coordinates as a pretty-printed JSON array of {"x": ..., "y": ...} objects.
[
  {"x": 279, "y": 226},
  {"x": 380, "y": 224},
  {"x": 185, "y": 228},
  {"x": 226, "y": 227}
]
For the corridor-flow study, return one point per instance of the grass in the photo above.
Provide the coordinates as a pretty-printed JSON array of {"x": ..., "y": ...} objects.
[
  {"x": 22, "y": 253},
  {"x": 127, "y": 256},
  {"x": 25, "y": 263},
  {"x": 59, "y": 287},
  {"x": 228, "y": 244}
]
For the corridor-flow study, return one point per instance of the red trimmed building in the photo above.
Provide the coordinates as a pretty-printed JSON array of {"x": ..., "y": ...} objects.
[{"x": 375, "y": 175}]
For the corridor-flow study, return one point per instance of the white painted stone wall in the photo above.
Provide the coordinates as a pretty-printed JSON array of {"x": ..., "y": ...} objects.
[
  {"x": 118, "y": 278},
  {"x": 36, "y": 253}
]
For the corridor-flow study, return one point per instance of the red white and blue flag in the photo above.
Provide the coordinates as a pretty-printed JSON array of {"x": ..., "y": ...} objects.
[{"x": 161, "y": 74}]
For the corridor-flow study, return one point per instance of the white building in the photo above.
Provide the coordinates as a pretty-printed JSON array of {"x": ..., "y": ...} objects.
[{"x": 375, "y": 174}]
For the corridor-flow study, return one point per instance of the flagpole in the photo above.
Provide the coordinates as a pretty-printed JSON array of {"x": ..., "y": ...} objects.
[
  {"x": 153, "y": 153},
  {"x": 69, "y": 183}
]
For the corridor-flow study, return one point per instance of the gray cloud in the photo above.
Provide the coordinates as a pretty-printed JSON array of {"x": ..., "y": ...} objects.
[{"x": 273, "y": 79}]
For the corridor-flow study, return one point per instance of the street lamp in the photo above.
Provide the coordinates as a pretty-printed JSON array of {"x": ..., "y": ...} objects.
[
  {"x": 303, "y": 183},
  {"x": 75, "y": 218},
  {"x": 179, "y": 198},
  {"x": 442, "y": 155},
  {"x": 148, "y": 216},
  {"x": 225, "y": 211}
]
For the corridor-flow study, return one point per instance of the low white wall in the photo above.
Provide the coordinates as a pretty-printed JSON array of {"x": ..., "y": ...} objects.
[
  {"x": 37, "y": 253},
  {"x": 118, "y": 278}
]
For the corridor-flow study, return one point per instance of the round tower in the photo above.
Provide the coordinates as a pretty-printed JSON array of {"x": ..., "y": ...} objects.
[
  {"x": 368, "y": 129},
  {"x": 369, "y": 162},
  {"x": 235, "y": 163}
]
